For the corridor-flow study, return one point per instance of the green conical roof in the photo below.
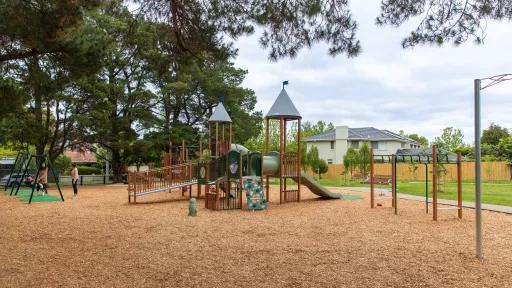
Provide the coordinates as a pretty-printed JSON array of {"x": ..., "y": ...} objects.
[
  {"x": 220, "y": 114},
  {"x": 283, "y": 107}
]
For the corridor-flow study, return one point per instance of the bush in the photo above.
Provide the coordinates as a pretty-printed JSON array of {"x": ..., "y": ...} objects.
[
  {"x": 322, "y": 167},
  {"x": 86, "y": 170},
  {"x": 63, "y": 165}
]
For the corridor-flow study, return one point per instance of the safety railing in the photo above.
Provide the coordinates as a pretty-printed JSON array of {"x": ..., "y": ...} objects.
[{"x": 161, "y": 179}]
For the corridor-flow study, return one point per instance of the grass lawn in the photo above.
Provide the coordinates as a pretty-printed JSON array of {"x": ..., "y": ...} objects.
[{"x": 493, "y": 192}]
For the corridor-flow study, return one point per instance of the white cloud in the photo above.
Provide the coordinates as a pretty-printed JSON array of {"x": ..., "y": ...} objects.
[{"x": 420, "y": 90}]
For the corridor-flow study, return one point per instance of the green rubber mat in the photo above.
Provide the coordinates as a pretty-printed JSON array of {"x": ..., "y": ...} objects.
[
  {"x": 351, "y": 197},
  {"x": 24, "y": 195}
]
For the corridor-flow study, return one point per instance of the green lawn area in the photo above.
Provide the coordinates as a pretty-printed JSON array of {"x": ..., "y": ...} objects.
[{"x": 493, "y": 192}]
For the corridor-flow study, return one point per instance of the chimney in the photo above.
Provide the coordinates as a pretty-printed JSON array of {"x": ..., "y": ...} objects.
[{"x": 341, "y": 132}]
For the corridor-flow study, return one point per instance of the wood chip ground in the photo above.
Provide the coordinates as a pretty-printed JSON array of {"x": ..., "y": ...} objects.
[{"x": 100, "y": 240}]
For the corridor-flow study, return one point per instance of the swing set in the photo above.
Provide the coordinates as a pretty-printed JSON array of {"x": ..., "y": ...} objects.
[
  {"x": 26, "y": 164},
  {"x": 435, "y": 159}
]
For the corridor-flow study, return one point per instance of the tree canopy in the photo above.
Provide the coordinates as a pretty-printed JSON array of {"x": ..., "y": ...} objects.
[
  {"x": 493, "y": 134},
  {"x": 131, "y": 77},
  {"x": 450, "y": 139},
  {"x": 450, "y": 21}
]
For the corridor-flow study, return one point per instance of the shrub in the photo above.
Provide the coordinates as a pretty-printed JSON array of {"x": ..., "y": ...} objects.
[
  {"x": 63, "y": 165},
  {"x": 86, "y": 170},
  {"x": 322, "y": 167}
]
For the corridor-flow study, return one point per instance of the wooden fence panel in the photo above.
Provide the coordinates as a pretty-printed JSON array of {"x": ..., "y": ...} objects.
[{"x": 406, "y": 171}]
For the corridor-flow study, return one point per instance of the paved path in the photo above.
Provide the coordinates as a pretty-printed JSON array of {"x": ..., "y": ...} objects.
[{"x": 490, "y": 207}]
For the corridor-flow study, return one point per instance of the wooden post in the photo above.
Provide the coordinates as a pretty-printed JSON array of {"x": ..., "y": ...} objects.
[
  {"x": 434, "y": 182},
  {"x": 183, "y": 150},
  {"x": 299, "y": 156},
  {"x": 216, "y": 139},
  {"x": 190, "y": 179},
  {"x": 267, "y": 184},
  {"x": 280, "y": 160},
  {"x": 230, "y": 136},
  {"x": 207, "y": 186},
  {"x": 393, "y": 188},
  {"x": 395, "y": 194},
  {"x": 240, "y": 168},
  {"x": 223, "y": 142},
  {"x": 217, "y": 196},
  {"x": 372, "y": 188},
  {"x": 210, "y": 140},
  {"x": 285, "y": 162},
  {"x": 459, "y": 184}
]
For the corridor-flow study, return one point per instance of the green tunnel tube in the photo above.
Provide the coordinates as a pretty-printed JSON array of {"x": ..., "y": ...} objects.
[{"x": 271, "y": 168}]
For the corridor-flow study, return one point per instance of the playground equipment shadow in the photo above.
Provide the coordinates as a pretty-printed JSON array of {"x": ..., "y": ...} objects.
[{"x": 99, "y": 240}]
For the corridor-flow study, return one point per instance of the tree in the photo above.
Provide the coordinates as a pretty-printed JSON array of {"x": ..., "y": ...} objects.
[
  {"x": 423, "y": 141},
  {"x": 310, "y": 129},
  {"x": 287, "y": 26},
  {"x": 454, "y": 21},
  {"x": 464, "y": 150},
  {"x": 142, "y": 152},
  {"x": 313, "y": 159},
  {"x": 322, "y": 168},
  {"x": 304, "y": 157},
  {"x": 494, "y": 134},
  {"x": 350, "y": 160},
  {"x": 118, "y": 98},
  {"x": 62, "y": 164},
  {"x": 48, "y": 28},
  {"x": 505, "y": 148},
  {"x": 364, "y": 159},
  {"x": 450, "y": 139}
]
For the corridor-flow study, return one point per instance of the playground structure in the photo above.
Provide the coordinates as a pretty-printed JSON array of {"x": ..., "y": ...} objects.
[
  {"x": 231, "y": 168},
  {"x": 435, "y": 159},
  {"x": 176, "y": 155},
  {"x": 26, "y": 165}
]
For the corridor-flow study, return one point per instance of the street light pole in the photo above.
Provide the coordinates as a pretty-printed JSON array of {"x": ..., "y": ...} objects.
[{"x": 478, "y": 184}]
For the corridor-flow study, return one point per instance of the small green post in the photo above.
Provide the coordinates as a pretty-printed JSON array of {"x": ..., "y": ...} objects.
[{"x": 192, "y": 207}]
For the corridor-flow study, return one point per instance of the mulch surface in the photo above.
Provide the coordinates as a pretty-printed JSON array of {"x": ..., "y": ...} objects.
[{"x": 100, "y": 240}]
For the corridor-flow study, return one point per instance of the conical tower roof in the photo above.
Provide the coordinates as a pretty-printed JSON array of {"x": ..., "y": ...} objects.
[
  {"x": 220, "y": 114},
  {"x": 283, "y": 107}
]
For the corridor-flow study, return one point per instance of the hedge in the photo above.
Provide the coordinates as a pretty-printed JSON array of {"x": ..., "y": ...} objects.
[{"x": 86, "y": 170}]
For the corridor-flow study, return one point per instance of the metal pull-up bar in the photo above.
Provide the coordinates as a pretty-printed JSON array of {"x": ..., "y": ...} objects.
[{"x": 478, "y": 185}]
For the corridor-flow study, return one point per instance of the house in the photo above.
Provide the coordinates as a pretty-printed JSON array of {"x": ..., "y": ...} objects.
[
  {"x": 81, "y": 157},
  {"x": 332, "y": 145}
]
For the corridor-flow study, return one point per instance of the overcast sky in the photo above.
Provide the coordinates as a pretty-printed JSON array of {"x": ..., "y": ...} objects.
[{"x": 420, "y": 90}]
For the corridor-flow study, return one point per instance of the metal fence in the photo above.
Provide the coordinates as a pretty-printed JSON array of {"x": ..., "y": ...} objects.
[{"x": 86, "y": 180}]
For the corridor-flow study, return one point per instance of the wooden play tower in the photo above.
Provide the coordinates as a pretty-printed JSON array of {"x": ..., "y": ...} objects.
[
  {"x": 221, "y": 192},
  {"x": 284, "y": 111}
]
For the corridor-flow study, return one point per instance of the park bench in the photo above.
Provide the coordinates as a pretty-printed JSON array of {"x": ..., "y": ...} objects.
[
  {"x": 378, "y": 179},
  {"x": 382, "y": 179}
]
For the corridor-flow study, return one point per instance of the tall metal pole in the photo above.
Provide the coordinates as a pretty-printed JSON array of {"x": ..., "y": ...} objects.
[{"x": 478, "y": 201}]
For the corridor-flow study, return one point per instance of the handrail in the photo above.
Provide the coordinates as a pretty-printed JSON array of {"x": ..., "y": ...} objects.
[{"x": 161, "y": 179}]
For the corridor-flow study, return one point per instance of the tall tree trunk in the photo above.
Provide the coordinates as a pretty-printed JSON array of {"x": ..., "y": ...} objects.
[
  {"x": 117, "y": 166},
  {"x": 38, "y": 105}
]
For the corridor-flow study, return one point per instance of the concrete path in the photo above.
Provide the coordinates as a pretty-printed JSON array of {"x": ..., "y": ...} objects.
[{"x": 465, "y": 204}]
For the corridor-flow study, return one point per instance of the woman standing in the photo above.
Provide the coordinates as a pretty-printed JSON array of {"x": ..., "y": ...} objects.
[
  {"x": 42, "y": 179},
  {"x": 74, "y": 180}
]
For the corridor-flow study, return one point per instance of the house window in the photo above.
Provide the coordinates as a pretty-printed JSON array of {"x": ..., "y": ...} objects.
[
  {"x": 375, "y": 145},
  {"x": 403, "y": 145},
  {"x": 332, "y": 145},
  {"x": 329, "y": 161},
  {"x": 354, "y": 144}
]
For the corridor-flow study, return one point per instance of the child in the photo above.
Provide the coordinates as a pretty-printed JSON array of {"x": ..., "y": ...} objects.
[
  {"x": 42, "y": 179},
  {"x": 29, "y": 181},
  {"x": 74, "y": 180}
]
